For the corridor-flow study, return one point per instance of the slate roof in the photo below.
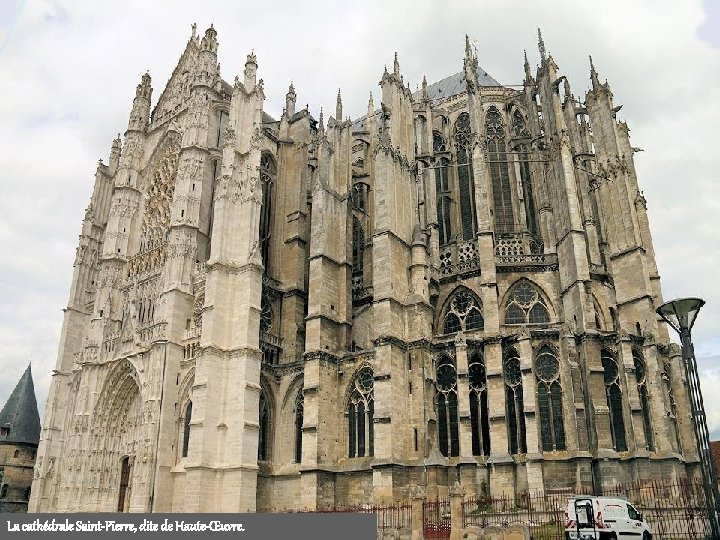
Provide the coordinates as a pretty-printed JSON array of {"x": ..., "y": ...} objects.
[
  {"x": 456, "y": 84},
  {"x": 20, "y": 413}
]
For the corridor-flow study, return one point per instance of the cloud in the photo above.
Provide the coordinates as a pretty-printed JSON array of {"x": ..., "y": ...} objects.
[{"x": 70, "y": 69}]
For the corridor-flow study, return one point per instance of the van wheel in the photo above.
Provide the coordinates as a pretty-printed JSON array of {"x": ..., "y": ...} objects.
[{"x": 647, "y": 536}]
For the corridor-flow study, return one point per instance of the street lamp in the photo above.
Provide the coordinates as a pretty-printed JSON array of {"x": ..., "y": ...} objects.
[{"x": 681, "y": 315}]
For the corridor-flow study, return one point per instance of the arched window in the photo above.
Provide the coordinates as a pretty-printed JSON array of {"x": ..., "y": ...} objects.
[
  {"x": 526, "y": 305},
  {"x": 444, "y": 200},
  {"x": 186, "y": 428},
  {"x": 497, "y": 161},
  {"x": 263, "y": 445},
  {"x": 514, "y": 406},
  {"x": 523, "y": 153},
  {"x": 421, "y": 135},
  {"x": 438, "y": 142},
  {"x": 359, "y": 196},
  {"x": 672, "y": 407},
  {"x": 549, "y": 391},
  {"x": 464, "y": 312},
  {"x": 299, "y": 409},
  {"x": 360, "y": 415},
  {"x": 479, "y": 418},
  {"x": 268, "y": 173},
  {"x": 447, "y": 409},
  {"x": 358, "y": 247},
  {"x": 640, "y": 378},
  {"x": 466, "y": 189},
  {"x": 614, "y": 399}
]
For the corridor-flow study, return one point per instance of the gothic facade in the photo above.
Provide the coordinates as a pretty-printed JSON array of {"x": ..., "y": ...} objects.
[{"x": 269, "y": 314}]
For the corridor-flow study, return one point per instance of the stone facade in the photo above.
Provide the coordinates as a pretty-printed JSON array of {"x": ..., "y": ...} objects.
[{"x": 271, "y": 314}]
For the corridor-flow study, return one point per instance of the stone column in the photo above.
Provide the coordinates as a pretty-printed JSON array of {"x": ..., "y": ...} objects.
[
  {"x": 417, "y": 519},
  {"x": 534, "y": 456},
  {"x": 457, "y": 493}
]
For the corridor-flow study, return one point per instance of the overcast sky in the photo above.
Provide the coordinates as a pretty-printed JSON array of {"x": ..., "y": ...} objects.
[{"x": 68, "y": 71}]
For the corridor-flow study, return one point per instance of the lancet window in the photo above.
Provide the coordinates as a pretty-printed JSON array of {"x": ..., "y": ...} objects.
[
  {"x": 523, "y": 155},
  {"x": 526, "y": 305},
  {"x": 359, "y": 196},
  {"x": 479, "y": 418},
  {"x": 613, "y": 393},
  {"x": 360, "y": 412},
  {"x": 514, "y": 405},
  {"x": 263, "y": 436},
  {"x": 444, "y": 200},
  {"x": 672, "y": 405},
  {"x": 358, "y": 247},
  {"x": 186, "y": 428},
  {"x": 549, "y": 392},
  {"x": 299, "y": 410},
  {"x": 268, "y": 173},
  {"x": 466, "y": 189},
  {"x": 641, "y": 380},
  {"x": 464, "y": 312},
  {"x": 499, "y": 173},
  {"x": 447, "y": 406}
]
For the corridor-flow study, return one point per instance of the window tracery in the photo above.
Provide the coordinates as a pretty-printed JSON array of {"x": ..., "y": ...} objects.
[
  {"x": 444, "y": 201},
  {"x": 613, "y": 393},
  {"x": 359, "y": 196},
  {"x": 499, "y": 173},
  {"x": 299, "y": 411},
  {"x": 526, "y": 305},
  {"x": 479, "y": 418},
  {"x": 514, "y": 404},
  {"x": 640, "y": 379},
  {"x": 268, "y": 173},
  {"x": 549, "y": 390},
  {"x": 360, "y": 415},
  {"x": 466, "y": 190},
  {"x": 464, "y": 312},
  {"x": 439, "y": 142},
  {"x": 447, "y": 409}
]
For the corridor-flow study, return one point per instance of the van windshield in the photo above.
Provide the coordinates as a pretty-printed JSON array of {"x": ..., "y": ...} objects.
[{"x": 633, "y": 514}]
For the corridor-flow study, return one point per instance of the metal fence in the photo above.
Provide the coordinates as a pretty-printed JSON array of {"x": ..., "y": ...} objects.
[
  {"x": 673, "y": 510},
  {"x": 436, "y": 519}
]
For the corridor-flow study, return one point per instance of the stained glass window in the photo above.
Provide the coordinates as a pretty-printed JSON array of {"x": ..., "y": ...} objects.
[
  {"x": 547, "y": 370},
  {"x": 640, "y": 379},
  {"x": 499, "y": 173},
  {"x": 514, "y": 402},
  {"x": 447, "y": 411},
  {"x": 613, "y": 393},
  {"x": 466, "y": 189},
  {"x": 464, "y": 312},
  {"x": 263, "y": 445},
  {"x": 444, "y": 201},
  {"x": 360, "y": 415},
  {"x": 526, "y": 305},
  {"x": 479, "y": 419}
]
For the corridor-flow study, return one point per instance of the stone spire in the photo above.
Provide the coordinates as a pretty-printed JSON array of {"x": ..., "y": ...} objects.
[
  {"x": 19, "y": 418},
  {"x": 140, "y": 114},
  {"x": 396, "y": 66},
  {"x": 115, "y": 151},
  {"x": 594, "y": 76},
  {"x": 541, "y": 46},
  {"x": 371, "y": 106},
  {"x": 321, "y": 123},
  {"x": 290, "y": 100},
  {"x": 250, "y": 71},
  {"x": 424, "y": 92},
  {"x": 528, "y": 73},
  {"x": 193, "y": 35},
  {"x": 470, "y": 64},
  {"x": 338, "y": 108}
]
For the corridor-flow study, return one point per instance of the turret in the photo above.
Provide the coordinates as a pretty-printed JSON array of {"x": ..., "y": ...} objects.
[
  {"x": 290, "y": 100},
  {"x": 140, "y": 113},
  {"x": 338, "y": 108},
  {"x": 115, "y": 155},
  {"x": 250, "y": 71},
  {"x": 207, "y": 70}
]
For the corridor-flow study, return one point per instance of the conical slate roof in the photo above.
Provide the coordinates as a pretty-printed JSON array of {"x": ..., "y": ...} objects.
[{"x": 20, "y": 414}]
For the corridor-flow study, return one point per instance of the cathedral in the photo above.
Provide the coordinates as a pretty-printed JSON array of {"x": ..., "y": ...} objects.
[{"x": 298, "y": 313}]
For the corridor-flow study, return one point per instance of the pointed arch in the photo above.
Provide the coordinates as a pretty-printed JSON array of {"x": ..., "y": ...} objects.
[
  {"x": 463, "y": 310},
  {"x": 643, "y": 394},
  {"x": 499, "y": 173},
  {"x": 549, "y": 395},
  {"x": 613, "y": 394},
  {"x": 479, "y": 412},
  {"x": 466, "y": 186},
  {"x": 514, "y": 404},
  {"x": 446, "y": 400},
  {"x": 268, "y": 175},
  {"x": 443, "y": 196},
  {"x": 266, "y": 411},
  {"x": 360, "y": 409},
  {"x": 525, "y": 303}
]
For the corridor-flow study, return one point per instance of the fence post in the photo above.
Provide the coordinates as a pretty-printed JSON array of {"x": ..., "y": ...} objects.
[
  {"x": 417, "y": 519},
  {"x": 457, "y": 493}
]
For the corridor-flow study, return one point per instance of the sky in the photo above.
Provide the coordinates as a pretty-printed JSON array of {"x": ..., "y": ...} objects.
[{"x": 68, "y": 71}]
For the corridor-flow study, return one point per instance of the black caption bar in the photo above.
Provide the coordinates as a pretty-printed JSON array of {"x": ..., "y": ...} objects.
[{"x": 239, "y": 526}]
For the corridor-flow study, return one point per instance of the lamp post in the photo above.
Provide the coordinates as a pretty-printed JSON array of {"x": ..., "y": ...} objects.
[{"x": 681, "y": 315}]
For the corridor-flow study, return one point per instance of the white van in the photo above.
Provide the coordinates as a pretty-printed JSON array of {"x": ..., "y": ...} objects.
[{"x": 604, "y": 518}]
